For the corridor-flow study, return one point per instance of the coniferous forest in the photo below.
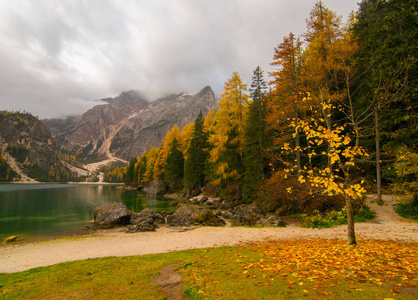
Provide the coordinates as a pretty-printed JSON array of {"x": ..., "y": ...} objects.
[{"x": 335, "y": 119}]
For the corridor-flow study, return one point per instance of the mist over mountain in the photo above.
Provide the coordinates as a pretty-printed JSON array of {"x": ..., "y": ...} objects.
[{"x": 127, "y": 125}]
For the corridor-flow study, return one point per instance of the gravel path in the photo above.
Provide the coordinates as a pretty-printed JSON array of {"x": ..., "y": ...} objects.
[{"x": 15, "y": 258}]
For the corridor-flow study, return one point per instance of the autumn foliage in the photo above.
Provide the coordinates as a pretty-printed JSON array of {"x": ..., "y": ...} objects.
[
  {"x": 309, "y": 141},
  {"x": 317, "y": 269}
]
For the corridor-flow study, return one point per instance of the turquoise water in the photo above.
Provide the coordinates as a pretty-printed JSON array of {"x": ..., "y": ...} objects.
[{"x": 42, "y": 211}]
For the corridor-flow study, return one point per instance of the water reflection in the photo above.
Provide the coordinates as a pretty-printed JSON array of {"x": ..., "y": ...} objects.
[{"x": 55, "y": 209}]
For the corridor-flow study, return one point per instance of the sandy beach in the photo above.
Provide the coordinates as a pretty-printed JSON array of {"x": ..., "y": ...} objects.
[{"x": 15, "y": 258}]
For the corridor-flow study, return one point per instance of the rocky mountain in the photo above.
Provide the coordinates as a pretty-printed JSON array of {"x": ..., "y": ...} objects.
[
  {"x": 127, "y": 125},
  {"x": 27, "y": 147}
]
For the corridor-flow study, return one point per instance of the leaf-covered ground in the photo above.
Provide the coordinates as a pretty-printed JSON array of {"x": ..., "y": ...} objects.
[{"x": 316, "y": 269}]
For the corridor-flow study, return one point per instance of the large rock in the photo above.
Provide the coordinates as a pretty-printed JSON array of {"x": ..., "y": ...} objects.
[
  {"x": 109, "y": 216},
  {"x": 246, "y": 215},
  {"x": 146, "y": 220},
  {"x": 208, "y": 218},
  {"x": 187, "y": 215},
  {"x": 156, "y": 188}
]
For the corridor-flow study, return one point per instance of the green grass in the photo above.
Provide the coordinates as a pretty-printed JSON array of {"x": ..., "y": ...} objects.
[
  {"x": 243, "y": 272},
  {"x": 408, "y": 210}
]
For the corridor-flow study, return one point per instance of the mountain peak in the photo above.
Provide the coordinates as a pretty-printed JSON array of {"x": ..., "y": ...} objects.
[{"x": 126, "y": 98}]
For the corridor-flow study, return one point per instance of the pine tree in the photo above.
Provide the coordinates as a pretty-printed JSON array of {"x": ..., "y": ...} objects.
[
  {"x": 196, "y": 156},
  {"x": 256, "y": 138}
]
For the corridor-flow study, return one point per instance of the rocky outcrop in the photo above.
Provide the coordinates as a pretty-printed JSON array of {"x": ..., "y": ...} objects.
[
  {"x": 146, "y": 220},
  {"x": 272, "y": 221},
  {"x": 211, "y": 202},
  {"x": 188, "y": 215},
  {"x": 246, "y": 215},
  {"x": 28, "y": 141},
  {"x": 208, "y": 218},
  {"x": 110, "y": 216}
]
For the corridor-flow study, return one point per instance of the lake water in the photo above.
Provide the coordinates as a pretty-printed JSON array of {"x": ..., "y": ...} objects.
[{"x": 42, "y": 211}]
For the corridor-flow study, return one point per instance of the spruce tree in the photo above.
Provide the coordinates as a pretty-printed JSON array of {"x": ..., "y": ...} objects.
[
  {"x": 174, "y": 165},
  {"x": 194, "y": 165},
  {"x": 129, "y": 171},
  {"x": 256, "y": 138}
]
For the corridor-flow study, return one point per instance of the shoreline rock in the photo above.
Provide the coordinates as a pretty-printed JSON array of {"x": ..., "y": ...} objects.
[{"x": 113, "y": 215}]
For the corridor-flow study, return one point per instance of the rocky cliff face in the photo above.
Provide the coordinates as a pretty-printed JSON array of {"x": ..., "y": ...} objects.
[
  {"x": 148, "y": 128},
  {"x": 127, "y": 125},
  {"x": 27, "y": 145}
]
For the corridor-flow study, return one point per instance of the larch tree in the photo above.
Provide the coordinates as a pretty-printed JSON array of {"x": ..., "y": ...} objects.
[
  {"x": 174, "y": 133},
  {"x": 286, "y": 95},
  {"x": 152, "y": 157},
  {"x": 319, "y": 74},
  {"x": 186, "y": 135},
  {"x": 227, "y": 138}
]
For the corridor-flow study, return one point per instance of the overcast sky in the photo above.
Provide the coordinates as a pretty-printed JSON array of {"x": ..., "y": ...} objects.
[{"x": 57, "y": 57}]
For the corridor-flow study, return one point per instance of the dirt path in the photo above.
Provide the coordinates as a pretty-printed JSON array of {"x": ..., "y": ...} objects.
[{"x": 15, "y": 258}]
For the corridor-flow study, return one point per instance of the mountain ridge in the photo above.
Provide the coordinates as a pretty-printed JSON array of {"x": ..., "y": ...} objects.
[{"x": 127, "y": 125}]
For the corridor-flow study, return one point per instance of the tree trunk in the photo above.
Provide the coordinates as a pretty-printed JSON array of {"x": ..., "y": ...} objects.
[
  {"x": 378, "y": 167},
  {"x": 350, "y": 221}
]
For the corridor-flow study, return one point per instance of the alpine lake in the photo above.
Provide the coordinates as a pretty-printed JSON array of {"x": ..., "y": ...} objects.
[{"x": 44, "y": 211}]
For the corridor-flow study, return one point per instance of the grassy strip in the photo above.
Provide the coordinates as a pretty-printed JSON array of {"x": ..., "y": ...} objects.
[
  {"x": 408, "y": 210},
  {"x": 308, "y": 269}
]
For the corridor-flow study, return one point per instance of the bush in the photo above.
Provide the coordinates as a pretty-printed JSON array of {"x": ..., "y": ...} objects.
[
  {"x": 408, "y": 210},
  {"x": 273, "y": 196},
  {"x": 406, "y": 167},
  {"x": 318, "y": 220}
]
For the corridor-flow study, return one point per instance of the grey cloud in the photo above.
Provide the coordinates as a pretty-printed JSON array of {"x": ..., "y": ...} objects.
[{"x": 57, "y": 56}]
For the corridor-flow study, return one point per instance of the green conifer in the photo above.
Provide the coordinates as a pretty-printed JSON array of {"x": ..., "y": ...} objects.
[
  {"x": 194, "y": 166},
  {"x": 256, "y": 138}
]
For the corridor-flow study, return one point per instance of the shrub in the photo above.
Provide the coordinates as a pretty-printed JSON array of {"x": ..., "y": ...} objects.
[
  {"x": 325, "y": 220},
  {"x": 406, "y": 167},
  {"x": 273, "y": 196},
  {"x": 408, "y": 210}
]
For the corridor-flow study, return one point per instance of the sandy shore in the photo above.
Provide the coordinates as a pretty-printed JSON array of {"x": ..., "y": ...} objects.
[{"x": 15, "y": 258}]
